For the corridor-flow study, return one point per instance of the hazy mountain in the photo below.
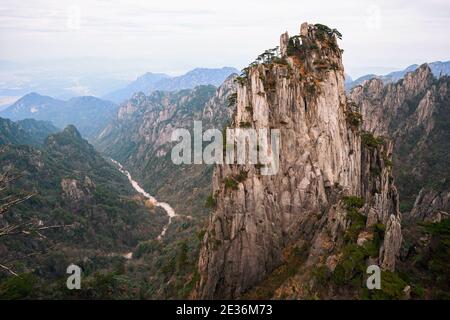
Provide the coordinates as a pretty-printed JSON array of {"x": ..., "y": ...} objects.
[
  {"x": 197, "y": 77},
  {"x": 88, "y": 113},
  {"x": 32, "y": 105},
  {"x": 351, "y": 84},
  {"x": 156, "y": 81},
  {"x": 28, "y": 131},
  {"x": 38, "y": 128},
  {"x": 438, "y": 69},
  {"x": 144, "y": 83}
]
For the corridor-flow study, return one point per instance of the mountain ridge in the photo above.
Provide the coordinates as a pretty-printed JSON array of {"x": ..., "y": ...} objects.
[
  {"x": 162, "y": 82},
  {"x": 90, "y": 114},
  {"x": 438, "y": 68},
  {"x": 414, "y": 112},
  {"x": 27, "y": 131}
]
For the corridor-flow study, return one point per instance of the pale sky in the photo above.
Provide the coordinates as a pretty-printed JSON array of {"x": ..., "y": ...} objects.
[{"x": 174, "y": 36}]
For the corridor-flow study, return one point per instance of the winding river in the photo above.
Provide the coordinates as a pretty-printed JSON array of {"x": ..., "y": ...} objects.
[{"x": 169, "y": 210}]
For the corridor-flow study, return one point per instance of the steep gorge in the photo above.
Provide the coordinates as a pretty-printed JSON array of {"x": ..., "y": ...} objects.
[{"x": 140, "y": 139}]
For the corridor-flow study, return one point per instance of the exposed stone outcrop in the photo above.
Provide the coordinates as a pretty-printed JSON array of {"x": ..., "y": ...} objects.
[
  {"x": 431, "y": 206},
  {"x": 382, "y": 199},
  {"x": 219, "y": 109},
  {"x": 414, "y": 112},
  {"x": 284, "y": 41},
  {"x": 321, "y": 160},
  {"x": 73, "y": 191},
  {"x": 384, "y": 106}
]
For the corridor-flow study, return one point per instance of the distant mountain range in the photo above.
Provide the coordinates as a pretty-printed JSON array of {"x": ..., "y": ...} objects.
[
  {"x": 438, "y": 69},
  {"x": 88, "y": 113},
  {"x": 158, "y": 81}
]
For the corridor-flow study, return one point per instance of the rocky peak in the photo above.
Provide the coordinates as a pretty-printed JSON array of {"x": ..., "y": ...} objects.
[
  {"x": 256, "y": 217},
  {"x": 418, "y": 80},
  {"x": 69, "y": 136},
  {"x": 219, "y": 109},
  {"x": 413, "y": 112},
  {"x": 138, "y": 98},
  {"x": 284, "y": 41},
  {"x": 373, "y": 97},
  {"x": 72, "y": 131}
]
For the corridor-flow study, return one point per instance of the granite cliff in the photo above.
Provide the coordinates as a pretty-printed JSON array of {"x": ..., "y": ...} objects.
[
  {"x": 333, "y": 188},
  {"x": 414, "y": 112}
]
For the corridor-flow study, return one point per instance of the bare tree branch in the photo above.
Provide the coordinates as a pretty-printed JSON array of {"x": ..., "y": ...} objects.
[
  {"x": 33, "y": 227},
  {"x": 5, "y": 179},
  {"x": 28, "y": 228},
  {"x": 9, "y": 270},
  {"x": 5, "y": 207}
]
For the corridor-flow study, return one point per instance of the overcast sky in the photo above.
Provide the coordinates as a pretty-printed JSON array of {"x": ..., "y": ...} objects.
[{"x": 174, "y": 36}]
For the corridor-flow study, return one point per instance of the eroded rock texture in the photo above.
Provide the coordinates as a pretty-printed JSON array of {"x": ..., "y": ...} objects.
[
  {"x": 301, "y": 93},
  {"x": 415, "y": 112}
]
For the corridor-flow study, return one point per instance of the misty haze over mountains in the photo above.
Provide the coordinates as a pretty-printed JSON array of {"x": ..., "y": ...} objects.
[
  {"x": 159, "y": 81},
  {"x": 91, "y": 114},
  {"x": 17, "y": 80},
  {"x": 60, "y": 79}
]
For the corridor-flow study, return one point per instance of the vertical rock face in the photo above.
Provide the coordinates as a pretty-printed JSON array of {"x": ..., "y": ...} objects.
[
  {"x": 301, "y": 93},
  {"x": 382, "y": 200},
  {"x": 385, "y": 107},
  {"x": 430, "y": 205},
  {"x": 415, "y": 112}
]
